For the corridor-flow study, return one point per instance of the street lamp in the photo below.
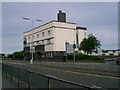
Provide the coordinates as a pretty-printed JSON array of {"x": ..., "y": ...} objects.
[
  {"x": 66, "y": 46},
  {"x": 26, "y": 18},
  {"x": 74, "y": 46}
]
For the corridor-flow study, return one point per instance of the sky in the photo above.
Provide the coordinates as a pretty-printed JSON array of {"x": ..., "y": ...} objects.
[{"x": 100, "y": 18}]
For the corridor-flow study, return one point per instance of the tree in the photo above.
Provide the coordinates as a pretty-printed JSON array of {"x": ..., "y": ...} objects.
[
  {"x": 3, "y": 55},
  {"x": 83, "y": 45},
  {"x": 18, "y": 55},
  {"x": 90, "y": 44},
  {"x": 10, "y": 56}
]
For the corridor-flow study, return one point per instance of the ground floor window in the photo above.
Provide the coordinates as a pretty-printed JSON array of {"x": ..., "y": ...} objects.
[{"x": 49, "y": 54}]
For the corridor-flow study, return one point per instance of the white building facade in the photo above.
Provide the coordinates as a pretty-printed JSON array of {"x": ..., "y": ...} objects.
[{"x": 49, "y": 39}]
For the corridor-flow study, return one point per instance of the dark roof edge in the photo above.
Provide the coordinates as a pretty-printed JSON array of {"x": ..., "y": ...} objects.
[
  {"x": 48, "y": 23},
  {"x": 84, "y": 28}
]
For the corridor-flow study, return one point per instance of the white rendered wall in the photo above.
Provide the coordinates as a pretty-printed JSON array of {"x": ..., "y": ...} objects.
[
  {"x": 40, "y": 35},
  {"x": 49, "y": 47},
  {"x": 61, "y": 36},
  {"x": 60, "y": 32},
  {"x": 81, "y": 35}
]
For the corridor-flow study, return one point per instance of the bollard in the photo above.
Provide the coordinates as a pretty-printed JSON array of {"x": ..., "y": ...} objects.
[
  {"x": 48, "y": 83},
  {"x": 11, "y": 73},
  {"x": 18, "y": 77},
  {"x": 6, "y": 70},
  {"x": 29, "y": 80}
]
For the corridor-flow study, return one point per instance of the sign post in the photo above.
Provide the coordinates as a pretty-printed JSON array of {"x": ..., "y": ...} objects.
[
  {"x": 74, "y": 46},
  {"x": 66, "y": 45}
]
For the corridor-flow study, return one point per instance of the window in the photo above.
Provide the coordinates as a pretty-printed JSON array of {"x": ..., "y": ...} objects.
[
  {"x": 43, "y": 33},
  {"x": 42, "y": 42},
  {"x": 103, "y": 54},
  {"x": 111, "y": 54},
  {"x": 24, "y": 39},
  {"x": 37, "y": 42},
  {"x": 85, "y": 34},
  {"x": 48, "y": 41},
  {"x": 29, "y": 38},
  {"x": 33, "y": 36},
  {"x": 48, "y": 32},
  {"x": 51, "y": 55},
  {"x": 37, "y": 35}
]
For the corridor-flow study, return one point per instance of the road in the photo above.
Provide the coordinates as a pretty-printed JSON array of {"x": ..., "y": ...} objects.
[
  {"x": 109, "y": 66},
  {"x": 78, "y": 77}
]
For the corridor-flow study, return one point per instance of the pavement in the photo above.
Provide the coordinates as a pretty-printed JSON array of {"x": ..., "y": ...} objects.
[{"x": 7, "y": 84}]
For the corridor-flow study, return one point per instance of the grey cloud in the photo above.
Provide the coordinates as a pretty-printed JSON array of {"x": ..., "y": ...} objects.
[
  {"x": 107, "y": 36},
  {"x": 99, "y": 18}
]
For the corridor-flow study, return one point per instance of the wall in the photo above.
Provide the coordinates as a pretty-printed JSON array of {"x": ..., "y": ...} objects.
[
  {"x": 61, "y": 36},
  {"x": 81, "y": 34}
]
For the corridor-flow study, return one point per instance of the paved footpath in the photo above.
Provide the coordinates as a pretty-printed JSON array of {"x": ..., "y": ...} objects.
[{"x": 7, "y": 84}]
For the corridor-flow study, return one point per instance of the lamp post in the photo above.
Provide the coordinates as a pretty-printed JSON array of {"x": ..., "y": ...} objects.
[
  {"x": 26, "y": 18},
  {"x": 74, "y": 46},
  {"x": 66, "y": 45}
]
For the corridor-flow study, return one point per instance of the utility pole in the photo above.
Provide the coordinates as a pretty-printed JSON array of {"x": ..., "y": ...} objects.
[
  {"x": 74, "y": 46},
  {"x": 32, "y": 49},
  {"x": 66, "y": 45}
]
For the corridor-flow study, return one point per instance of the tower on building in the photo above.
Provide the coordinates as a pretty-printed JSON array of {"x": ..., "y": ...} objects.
[{"x": 61, "y": 16}]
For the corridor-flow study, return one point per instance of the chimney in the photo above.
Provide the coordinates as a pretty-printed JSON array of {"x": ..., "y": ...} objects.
[{"x": 61, "y": 16}]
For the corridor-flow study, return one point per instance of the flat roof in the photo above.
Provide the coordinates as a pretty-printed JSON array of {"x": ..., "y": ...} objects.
[{"x": 48, "y": 23}]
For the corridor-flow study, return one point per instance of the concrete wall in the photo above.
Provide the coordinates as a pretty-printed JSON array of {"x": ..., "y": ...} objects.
[
  {"x": 61, "y": 36},
  {"x": 81, "y": 34}
]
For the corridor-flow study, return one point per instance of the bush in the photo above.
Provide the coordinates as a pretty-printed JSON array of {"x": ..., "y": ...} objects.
[
  {"x": 18, "y": 55},
  {"x": 80, "y": 56},
  {"x": 95, "y": 58}
]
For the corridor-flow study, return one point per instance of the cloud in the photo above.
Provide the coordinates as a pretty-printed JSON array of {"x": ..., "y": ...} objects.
[
  {"x": 108, "y": 35},
  {"x": 11, "y": 44},
  {"x": 99, "y": 18}
]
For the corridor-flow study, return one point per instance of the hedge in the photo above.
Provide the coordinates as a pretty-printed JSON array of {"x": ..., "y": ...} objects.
[{"x": 80, "y": 56}]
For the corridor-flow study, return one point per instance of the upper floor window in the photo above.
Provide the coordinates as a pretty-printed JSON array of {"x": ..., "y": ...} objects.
[
  {"x": 33, "y": 36},
  {"x": 37, "y": 35},
  {"x": 49, "y": 32},
  {"x": 43, "y": 33},
  {"x": 37, "y": 42},
  {"x": 48, "y": 41},
  {"x": 24, "y": 39},
  {"x": 42, "y": 42},
  {"x": 29, "y": 38}
]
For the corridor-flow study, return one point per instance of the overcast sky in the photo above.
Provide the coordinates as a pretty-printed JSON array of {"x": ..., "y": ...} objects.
[{"x": 100, "y": 18}]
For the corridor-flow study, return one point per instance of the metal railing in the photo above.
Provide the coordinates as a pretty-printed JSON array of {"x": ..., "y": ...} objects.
[{"x": 30, "y": 79}]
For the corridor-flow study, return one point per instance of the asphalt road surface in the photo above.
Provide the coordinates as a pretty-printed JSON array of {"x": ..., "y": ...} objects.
[
  {"x": 109, "y": 66},
  {"x": 78, "y": 77}
]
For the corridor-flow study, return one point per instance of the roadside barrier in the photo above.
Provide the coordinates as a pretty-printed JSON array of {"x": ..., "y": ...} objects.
[{"x": 30, "y": 79}]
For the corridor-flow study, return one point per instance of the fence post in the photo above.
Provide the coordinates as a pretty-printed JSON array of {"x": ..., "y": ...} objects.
[
  {"x": 11, "y": 73},
  {"x": 18, "y": 77},
  {"x": 48, "y": 83},
  {"x": 6, "y": 70},
  {"x": 3, "y": 69},
  {"x": 29, "y": 80}
]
